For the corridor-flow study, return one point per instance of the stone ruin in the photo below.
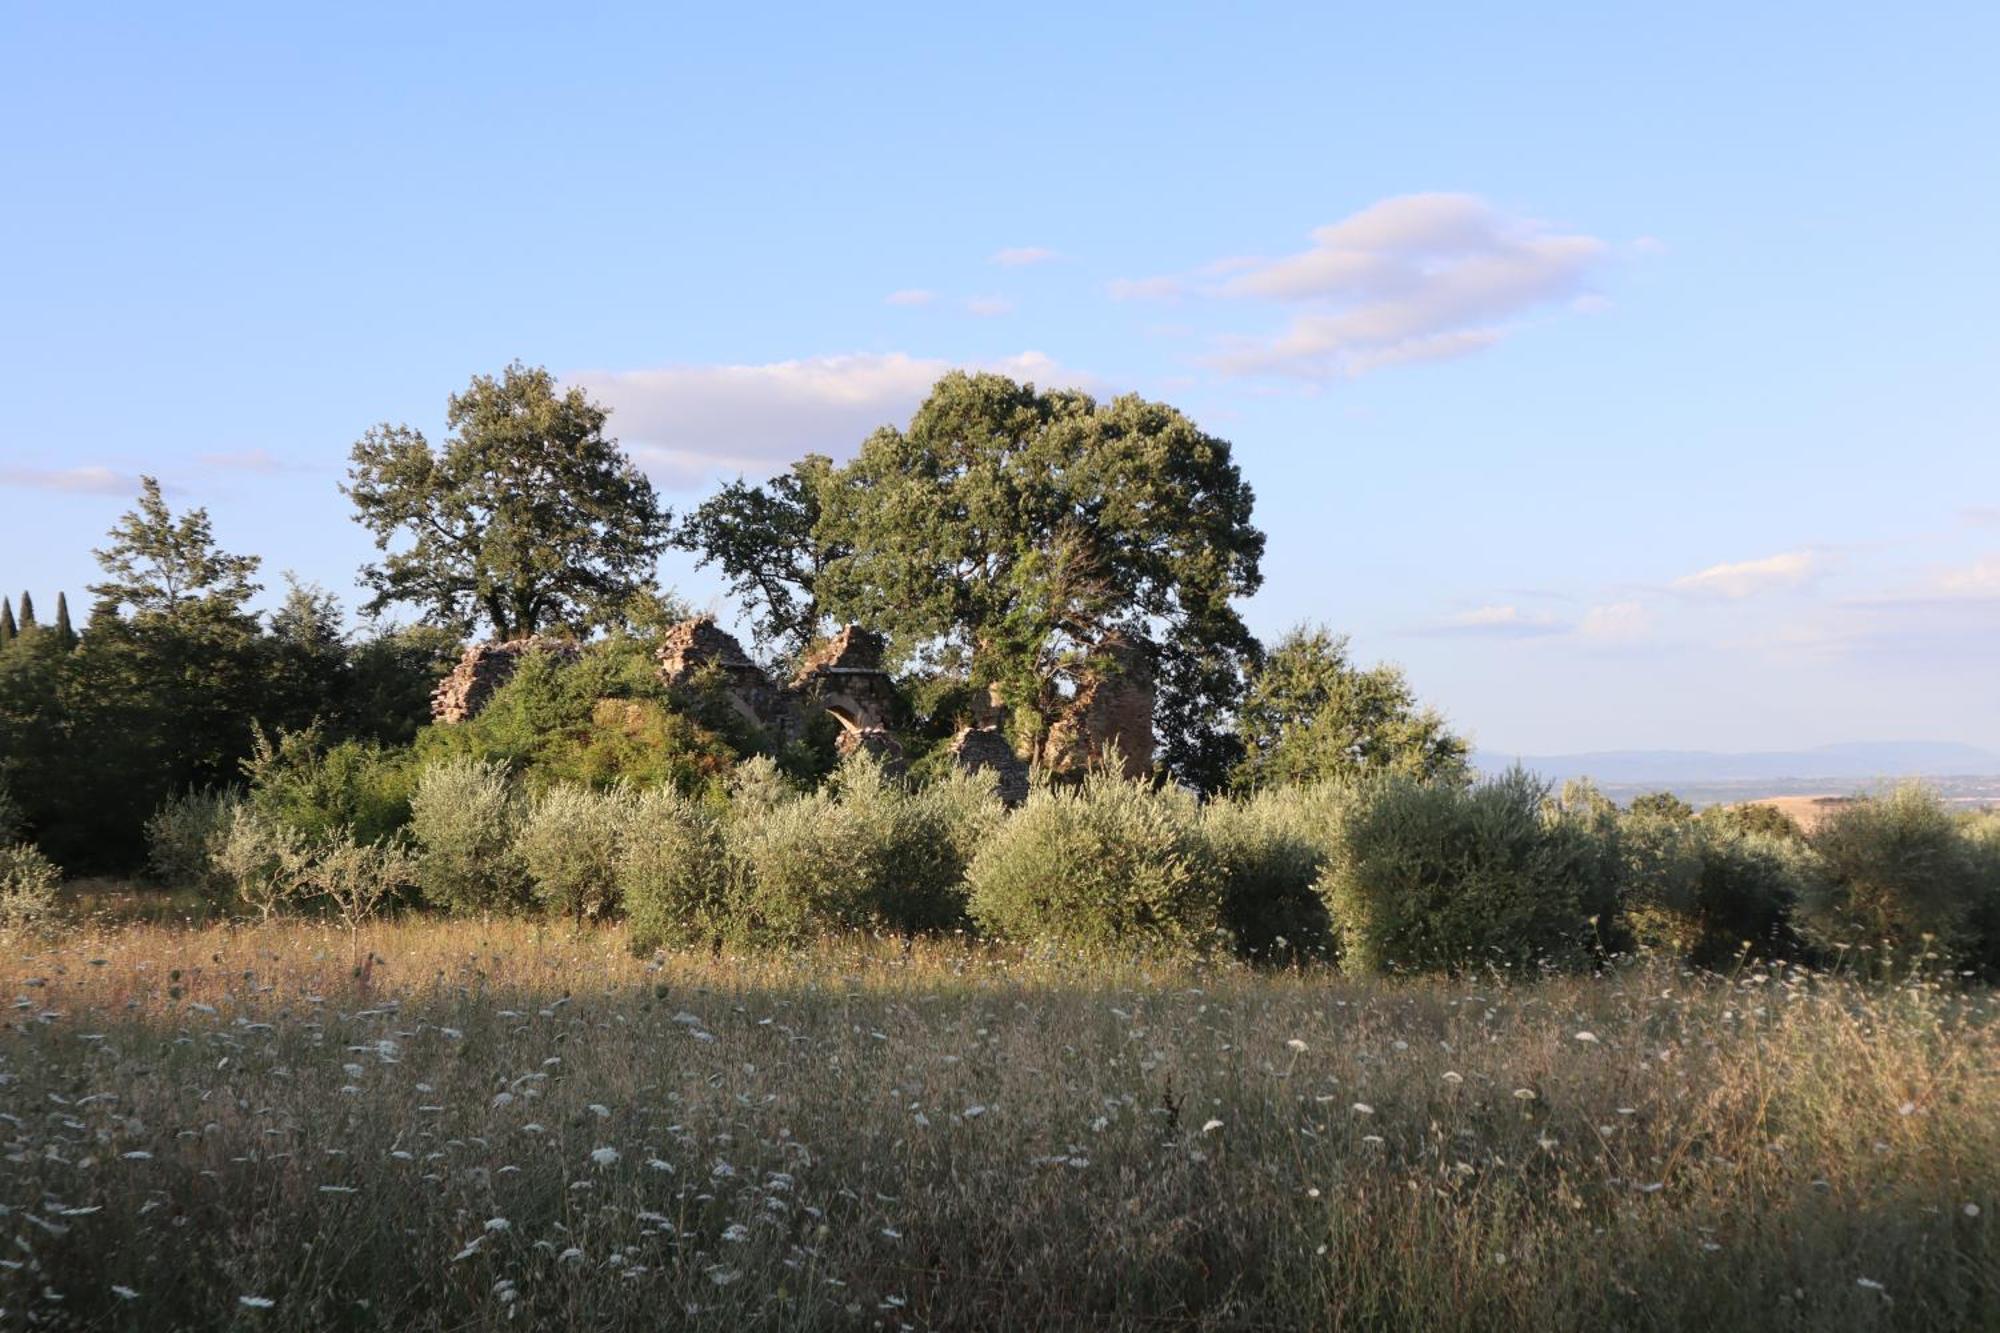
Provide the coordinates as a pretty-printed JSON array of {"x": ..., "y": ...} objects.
[
  {"x": 484, "y": 668},
  {"x": 1113, "y": 706},
  {"x": 844, "y": 678}
]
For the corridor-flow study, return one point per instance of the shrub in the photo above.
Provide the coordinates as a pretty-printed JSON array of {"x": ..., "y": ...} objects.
[
  {"x": 264, "y": 863},
  {"x": 12, "y": 819},
  {"x": 184, "y": 837},
  {"x": 319, "y": 791},
  {"x": 673, "y": 866},
  {"x": 28, "y": 884},
  {"x": 797, "y": 869},
  {"x": 1896, "y": 873},
  {"x": 1982, "y": 839},
  {"x": 1439, "y": 877},
  {"x": 920, "y": 839},
  {"x": 1708, "y": 891},
  {"x": 463, "y": 816},
  {"x": 358, "y": 878},
  {"x": 1107, "y": 866},
  {"x": 569, "y": 845},
  {"x": 1267, "y": 851}
]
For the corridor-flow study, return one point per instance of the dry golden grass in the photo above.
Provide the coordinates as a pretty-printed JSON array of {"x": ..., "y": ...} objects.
[{"x": 459, "y": 1125}]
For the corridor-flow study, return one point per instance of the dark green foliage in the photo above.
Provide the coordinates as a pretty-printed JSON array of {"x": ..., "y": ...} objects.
[
  {"x": 1441, "y": 877},
  {"x": 1268, "y": 850},
  {"x": 7, "y": 627},
  {"x": 1662, "y": 805},
  {"x": 1311, "y": 715},
  {"x": 1009, "y": 536},
  {"x": 765, "y": 540},
  {"x": 528, "y": 518},
  {"x": 1108, "y": 867},
  {"x": 64, "y": 631},
  {"x": 320, "y": 791},
  {"x": 1707, "y": 891},
  {"x": 27, "y": 623},
  {"x": 1897, "y": 879}
]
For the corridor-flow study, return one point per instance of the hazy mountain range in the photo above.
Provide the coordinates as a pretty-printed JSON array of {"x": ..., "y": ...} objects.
[{"x": 1860, "y": 760}]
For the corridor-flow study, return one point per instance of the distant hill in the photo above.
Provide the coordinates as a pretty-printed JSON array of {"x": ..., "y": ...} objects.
[{"x": 1859, "y": 760}]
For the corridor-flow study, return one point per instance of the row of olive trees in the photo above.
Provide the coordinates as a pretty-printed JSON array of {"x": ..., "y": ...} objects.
[{"x": 1391, "y": 874}]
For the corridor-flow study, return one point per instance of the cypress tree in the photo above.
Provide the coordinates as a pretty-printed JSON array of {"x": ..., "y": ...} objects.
[
  {"x": 27, "y": 613},
  {"x": 64, "y": 634},
  {"x": 6, "y": 620}
]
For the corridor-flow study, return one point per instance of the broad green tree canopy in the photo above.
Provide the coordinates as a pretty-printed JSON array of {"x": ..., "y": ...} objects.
[
  {"x": 1010, "y": 534},
  {"x": 528, "y": 517},
  {"x": 1311, "y": 715}
]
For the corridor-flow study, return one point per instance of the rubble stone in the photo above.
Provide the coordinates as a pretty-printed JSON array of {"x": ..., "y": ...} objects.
[{"x": 484, "y": 668}]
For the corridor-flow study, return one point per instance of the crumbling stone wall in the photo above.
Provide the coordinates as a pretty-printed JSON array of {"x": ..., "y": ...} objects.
[
  {"x": 693, "y": 646},
  {"x": 979, "y": 749},
  {"x": 1114, "y": 705},
  {"x": 484, "y": 668}
]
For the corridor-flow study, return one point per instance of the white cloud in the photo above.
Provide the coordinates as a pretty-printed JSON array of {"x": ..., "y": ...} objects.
[
  {"x": 87, "y": 480},
  {"x": 1984, "y": 516},
  {"x": 1418, "y": 277},
  {"x": 1978, "y": 580},
  {"x": 910, "y": 296},
  {"x": 685, "y": 424},
  {"x": 1749, "y": 577},
  {"x": 1146, "y": 289},
  {"x": 1022, "y": 255},
  {"x": 1616, "y": 622},
  {"x": 1497, "y": 621},
  {"x": 250, "y": 460},
  {"x": 986, "y": 307}
]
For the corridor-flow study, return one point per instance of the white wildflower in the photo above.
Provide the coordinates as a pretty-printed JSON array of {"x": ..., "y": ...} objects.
[
  {"x": 1363, "y": 1108},
  {"x": 606, "y": 1156},
  {"x": 255, "y": 1302},
  {"x": 1211, "y": 1127}
]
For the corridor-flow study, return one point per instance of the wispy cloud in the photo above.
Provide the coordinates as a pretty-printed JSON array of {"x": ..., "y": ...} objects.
[
  {"x": 685, "y": 424},
  {"x": 1748, "y": 578},
  {"x": 251, "y": 460},
  {"x": 1417, "y": 277},
  {"x": 1498, "y": 622},
  {"x": 87, "y": 480},
  {"x": 910, "y": 296},
  {"x": 988, "y": 307},
  {"x": 1021, "y": 256},
  {"x": 1983, "y": 516},
  {"x": 1616, "y": 622}
]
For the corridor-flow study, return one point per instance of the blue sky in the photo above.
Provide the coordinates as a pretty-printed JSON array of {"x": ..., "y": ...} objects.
[{"x": 1632, "y": 378}]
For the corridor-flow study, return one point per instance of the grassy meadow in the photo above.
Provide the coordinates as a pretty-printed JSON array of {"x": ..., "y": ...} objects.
[{"x": 450, "y": 1124}]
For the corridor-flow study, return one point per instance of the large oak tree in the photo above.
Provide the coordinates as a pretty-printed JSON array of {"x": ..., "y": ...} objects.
[
  {"x": 528, "y": 517},
  {"x": 1014, "y": 536}
]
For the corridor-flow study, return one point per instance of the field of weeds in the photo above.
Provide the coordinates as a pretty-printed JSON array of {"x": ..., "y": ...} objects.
[{"x": 453, "y": 1125}]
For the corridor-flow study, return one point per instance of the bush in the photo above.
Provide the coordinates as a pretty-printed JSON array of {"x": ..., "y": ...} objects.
[
  {"x": 1268, "y": 850},
  {"x": 1109, "y": 866},
  {"x": 1896, "y": 874},
  {"x": 1438, "y": 877},
  {"x": 569, "y": 845},
  {"x": 28, "y": 884},
  {"x": 1982, "y": 840},
  {"x": 463, "y": 817},
  {"x": 674, "y": 867},
  {"x": 920, "y": 839},
  {"x": 321, "y": 792},
  {"x": 265, "y": 864},
  {"x": 358, "y": 878},
  {"x": 184, "y": 838},
  {"x": 12, "y": 819},
  {"x": 797, "y": 869},
  {"x": 1708, "y": 891}
]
